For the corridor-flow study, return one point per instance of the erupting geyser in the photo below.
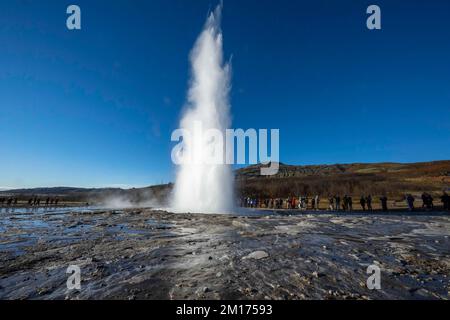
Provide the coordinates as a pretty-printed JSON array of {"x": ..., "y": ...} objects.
[{"x": 199, "y": 186}]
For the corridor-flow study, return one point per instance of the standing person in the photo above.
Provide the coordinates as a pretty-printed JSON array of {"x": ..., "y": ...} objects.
[
  {"x": 337, "y": 202},
  {"x": 430, "y": 202},
  {"x": 384, "y": 200},
  {"x": 331, "y": 203},
  {"x": 15, "y": 201},
  {"x": 313, "y": 203},
  {"x": 293, "y": 203},
  {"x": 445, "y": 200},
  {"x": 424, "y": 200},
  {"x": 317, "y": 201},
  {"x": 345, "y": 203},
  {"x": 350, "y": 203},
  {"x": 410, "y": 201},
  {"x": 369, "y": 202},
  {"x": 362, "y": 202}
]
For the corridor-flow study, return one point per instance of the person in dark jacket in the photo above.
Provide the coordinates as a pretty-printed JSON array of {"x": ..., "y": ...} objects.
[
  {"x": 384, "y": 200},
  {"x": 369, "y": 202},
  {"x": 344, "y": 202},
  {"x": 425, "y": 200},
  {"x": 410, "y": 201},
  {"x": 362, "y": 202},
  {"x": 337, "y": 202}
]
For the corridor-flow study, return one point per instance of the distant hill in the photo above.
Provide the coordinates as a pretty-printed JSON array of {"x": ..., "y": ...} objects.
[
  {"x": 394, "y": 179},
  {"x": 356, "y": 178},
  {"x": 137, "y": 195}
]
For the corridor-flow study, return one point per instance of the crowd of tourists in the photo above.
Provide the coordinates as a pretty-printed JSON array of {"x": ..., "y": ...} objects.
[
  {"x": 32, "y": 202},
  {"x": 336, "y": 203}
]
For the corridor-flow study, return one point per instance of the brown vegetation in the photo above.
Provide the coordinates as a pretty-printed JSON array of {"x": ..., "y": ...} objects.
[{"x": 392, "y": 179}]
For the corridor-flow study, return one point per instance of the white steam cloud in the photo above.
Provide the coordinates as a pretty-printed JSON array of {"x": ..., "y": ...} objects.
[{"x": 200, "y": 187}]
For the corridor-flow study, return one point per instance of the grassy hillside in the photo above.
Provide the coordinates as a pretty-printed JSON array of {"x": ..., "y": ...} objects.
[{"x": 394, "y": 179}]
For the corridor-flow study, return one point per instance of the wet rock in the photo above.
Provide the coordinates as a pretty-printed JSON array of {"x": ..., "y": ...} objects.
[{"x": 257, "y": 255}]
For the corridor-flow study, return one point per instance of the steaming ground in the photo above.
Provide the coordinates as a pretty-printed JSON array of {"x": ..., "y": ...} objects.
[{"x": 148, "y": 254}]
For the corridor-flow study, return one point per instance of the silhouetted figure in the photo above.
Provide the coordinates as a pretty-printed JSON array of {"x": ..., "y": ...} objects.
[
  {"x": 384, "y": 200},
  {"x": 35, "y": 201},
  {"x": 30, "y": 202},
  {"x": 350, "y": 203},
  {"x": 47, "y": 201},
  {"x": 337, "y": 202},
  {"x": 445, "y": 199},
  {"x": 410, "y": 201},
  {"x": 427, "y": 201},
  {"x": 424, "y": 200},
  {"x": 313, "y": 203},
  {"x": 9, "y": 202},
  {"x": 362, "y": 202},
  {"x": 369, "y": 202},
  {"x": 344, "y": 202},
  {"x": 38, "y": 202},
  {"x": 15, "y": 201},
  {"x": 430, "y": 202}
]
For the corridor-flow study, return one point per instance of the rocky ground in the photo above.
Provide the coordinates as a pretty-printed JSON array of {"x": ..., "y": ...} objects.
[{"x": 147, "y": 254}]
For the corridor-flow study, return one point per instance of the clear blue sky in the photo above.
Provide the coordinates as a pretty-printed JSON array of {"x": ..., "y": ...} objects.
[{"x": 96, "y": 107}]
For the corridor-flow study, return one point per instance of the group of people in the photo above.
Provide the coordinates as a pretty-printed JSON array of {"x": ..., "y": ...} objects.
[
  {"x": 336, "y": 203},
  {"x": 36, "y": 201},
  {"x": 427, "y": 201},
  {"x": 32, "y": 202},
  {"x": 8, "y": 201}
]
